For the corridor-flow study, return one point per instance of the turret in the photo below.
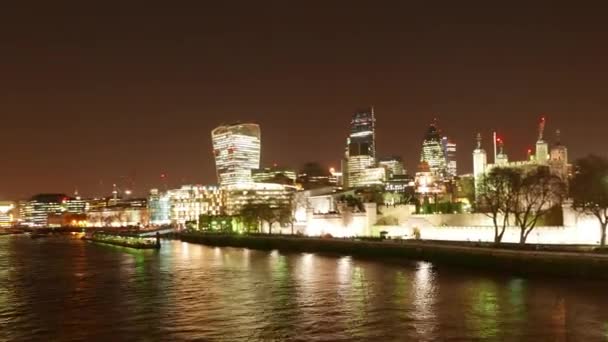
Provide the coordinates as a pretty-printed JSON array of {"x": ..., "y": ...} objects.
[
  {"x": 542, "y": 148},
  {"x": 480, "y": 160},
  {"x": 501, "y": 157}
]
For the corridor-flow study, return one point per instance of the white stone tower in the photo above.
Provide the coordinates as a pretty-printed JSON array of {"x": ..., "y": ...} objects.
[{"x": 480, "y": 160}]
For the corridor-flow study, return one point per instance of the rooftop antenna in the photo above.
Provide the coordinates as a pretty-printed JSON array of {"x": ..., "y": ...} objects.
[
  {"x": 479, "y": 141},
  {"x": 558, "y": 137}
]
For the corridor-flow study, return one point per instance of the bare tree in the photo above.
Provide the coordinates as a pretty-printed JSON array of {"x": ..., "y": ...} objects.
[
  {"x": 536, "y": 193},
  {"x": 496, "y": 192},
  {"x": 589, "y": 190}
]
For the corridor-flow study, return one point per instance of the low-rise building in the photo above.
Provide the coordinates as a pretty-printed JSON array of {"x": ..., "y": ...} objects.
[
  {"x": 120, "y": 213},
  {"x": 7, "y": 213}
]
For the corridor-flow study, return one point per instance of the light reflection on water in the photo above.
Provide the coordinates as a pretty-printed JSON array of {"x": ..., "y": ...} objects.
[{"x": 62, "y": 289}]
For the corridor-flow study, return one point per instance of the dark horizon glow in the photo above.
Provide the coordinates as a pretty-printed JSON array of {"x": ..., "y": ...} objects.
[{"x": 96, "y": 94}]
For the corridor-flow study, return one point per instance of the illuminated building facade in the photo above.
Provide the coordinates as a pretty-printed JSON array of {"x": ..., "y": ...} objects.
[
  {"x": 275, "y": 195},
  {"x": 449, "y": 151},
  {"x": 433, "y": 152},
  {"x": 185, "y": 204},
  {"x": 480, "y": 161},
  {"x": 120, "y": 213},
  {"x": 360, "y": 154},
  {"x": 237, "y": 151},
  {"x": 393, "y": 165},
  {"x": 53, "y": 210},
  {"x": 274, "y": 175},
  {"x": 159, "y": 208},
  {"x": 7, "y": 213},
  {"x": 362, "y": 140},
  {"x": 428, "y": 182},
  {"x": 189, "y": 202},
  {"x": 368, "y": 177}
]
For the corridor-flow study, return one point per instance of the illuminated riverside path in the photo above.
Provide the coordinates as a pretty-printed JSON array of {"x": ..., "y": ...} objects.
[{"x": 59, "y": 288}]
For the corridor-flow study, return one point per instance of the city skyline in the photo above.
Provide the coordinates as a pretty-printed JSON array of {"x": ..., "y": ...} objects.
[{"x": 139, "y": 99}]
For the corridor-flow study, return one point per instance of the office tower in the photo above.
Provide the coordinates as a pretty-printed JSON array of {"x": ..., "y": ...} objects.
[
  {"x": 275, "y": 174},
  {"x": 449, "y": 151},
  {"x": 432, "y": 151},
  {"x": 237, "y": 151},
  {"x": 393, "y": 165},
  {"x": 361, "y": 152}
]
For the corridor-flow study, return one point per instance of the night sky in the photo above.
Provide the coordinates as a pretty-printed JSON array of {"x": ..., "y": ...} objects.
[{"x": 93, "y": 94}]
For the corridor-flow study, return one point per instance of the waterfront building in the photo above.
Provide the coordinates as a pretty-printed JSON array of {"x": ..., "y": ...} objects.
[
  {"x": 185, "y": 204},
  {"x": 7, "y": 213},
  {"x": 275, "y": 195},
  {"x": 118, "y": 212},
  {"x": 237, "y": 151},
  {"x": 53, "y": 210},
  {"x": 433, "y": 152},
  {"x": 159, "y": 208},
  {"x": 189, "y": 202}
]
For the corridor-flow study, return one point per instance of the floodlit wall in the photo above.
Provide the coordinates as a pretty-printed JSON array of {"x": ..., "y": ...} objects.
[
  {"x": 345, "y": 224},
  {"x": 577, "y": 229}
]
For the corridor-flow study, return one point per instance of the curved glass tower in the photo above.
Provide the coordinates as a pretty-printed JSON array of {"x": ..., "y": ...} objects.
[
  {"x": 236, "y": 149},
  {"x": 433, "y": 152}
]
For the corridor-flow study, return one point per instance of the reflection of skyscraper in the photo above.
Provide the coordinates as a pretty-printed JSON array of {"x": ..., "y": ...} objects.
[
  {"x": 237, "y": 152},
  {"x": 449, "y": 150},
  {"x": 432, "y": 151}
]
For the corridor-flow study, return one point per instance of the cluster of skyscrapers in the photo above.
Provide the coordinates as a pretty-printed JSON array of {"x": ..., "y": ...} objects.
[{"x": 242, "y": 180}]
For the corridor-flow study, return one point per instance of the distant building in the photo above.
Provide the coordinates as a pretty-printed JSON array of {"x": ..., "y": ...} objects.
[
  {"x": 433, "y": 152},
  {"x": 53, "y": 210},
  {"x": 274, "y": 175},
  {"x": 363, "y": 134},
  {"x": 449, "y": 151},
  {"x": 427, "y": 182},
  {"x": 159, "y": 208},
  {"x": 393, "y": 165},
  {"x": 275, "y": 195},
  {"x": 189, "y": 202},
  {"x": 237, "y": 151},
  {"x": 8, "y": 213},
  {"x": 314, "y": 176},
  {"x": 556, "y": 158},
  {"x": 360, "y": 155},
  {"x": 120, "y": 213}
]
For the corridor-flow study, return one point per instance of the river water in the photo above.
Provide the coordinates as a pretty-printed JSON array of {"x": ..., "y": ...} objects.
[{"x": 57, "y": 288}]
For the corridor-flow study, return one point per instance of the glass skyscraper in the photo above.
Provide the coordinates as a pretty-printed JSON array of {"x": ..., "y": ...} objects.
[
  {"x": 237, "y": 151},
  {"x": 362, "y": 140},
  {"x": 433, "y": 152},
  {"x": 361, "y": 151},
  {"x": 449, "y": 150}
]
